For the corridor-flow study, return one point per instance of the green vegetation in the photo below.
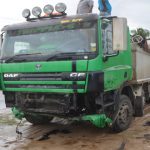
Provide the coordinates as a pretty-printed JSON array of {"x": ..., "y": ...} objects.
[{"x": 140, "y": 31}]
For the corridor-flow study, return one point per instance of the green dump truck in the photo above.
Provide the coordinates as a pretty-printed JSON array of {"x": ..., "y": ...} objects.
[{"x": 77, "y": 67}]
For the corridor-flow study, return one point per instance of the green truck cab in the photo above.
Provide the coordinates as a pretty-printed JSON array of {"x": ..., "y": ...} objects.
[{"x": 77, "y": 66}]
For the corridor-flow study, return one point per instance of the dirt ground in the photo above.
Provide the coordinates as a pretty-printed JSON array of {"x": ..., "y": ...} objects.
[{"x": 81, "y": 136}]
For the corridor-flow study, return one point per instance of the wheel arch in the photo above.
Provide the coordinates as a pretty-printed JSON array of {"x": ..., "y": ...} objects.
[{"x": 128, "y": 91}]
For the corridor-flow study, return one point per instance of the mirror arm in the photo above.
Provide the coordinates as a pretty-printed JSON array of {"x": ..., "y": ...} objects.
[{"x": 105, "y": 57}]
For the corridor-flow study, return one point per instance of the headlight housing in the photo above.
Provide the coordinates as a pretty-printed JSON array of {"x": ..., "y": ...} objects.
[
  {"x": 26, "y": 13},
  {"x": 48, "y": 9},
  {"x": 36, "y": 11},
  {"x": 60, "y": 7}
]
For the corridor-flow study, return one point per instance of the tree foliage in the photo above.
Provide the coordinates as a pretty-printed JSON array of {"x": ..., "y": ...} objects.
[{"x": 142, "y": 32}]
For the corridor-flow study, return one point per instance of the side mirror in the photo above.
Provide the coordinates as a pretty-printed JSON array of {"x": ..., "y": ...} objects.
[
  {"x": 120, "y": 34},
  {"x": 1, "y": 41}
]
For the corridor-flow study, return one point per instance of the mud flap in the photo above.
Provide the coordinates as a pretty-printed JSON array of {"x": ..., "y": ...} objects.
[{"x": 139, "y": 107}]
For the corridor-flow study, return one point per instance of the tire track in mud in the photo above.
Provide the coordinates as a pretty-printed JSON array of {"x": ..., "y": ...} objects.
[{"x": 80, "y": 136}]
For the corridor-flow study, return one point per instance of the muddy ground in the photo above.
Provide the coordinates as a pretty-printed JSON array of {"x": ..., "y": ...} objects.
[{"x": 79, "y": 136}]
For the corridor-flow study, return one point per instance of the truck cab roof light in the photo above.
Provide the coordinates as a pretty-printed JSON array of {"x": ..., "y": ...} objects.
[
  {"x": 48, "y": 9},
  {"x": 36, "y": 11},
  {"x": 60, "y": 7},
  {"x": 26, "y": 13}
]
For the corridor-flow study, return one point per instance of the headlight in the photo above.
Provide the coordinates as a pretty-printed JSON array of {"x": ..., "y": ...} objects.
[
  {"x": 60, "y": 7},
  {"x": 26, "y": 13},
  {"x": 36, "y": 11},
  {"x": 48, "y": 9}
]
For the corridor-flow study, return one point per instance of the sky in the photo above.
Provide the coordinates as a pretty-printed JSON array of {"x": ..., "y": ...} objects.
[{"x": 136, "y": 11}]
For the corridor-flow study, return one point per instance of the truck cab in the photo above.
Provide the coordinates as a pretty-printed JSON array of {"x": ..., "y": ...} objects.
[{"x": 68, "y": 66}]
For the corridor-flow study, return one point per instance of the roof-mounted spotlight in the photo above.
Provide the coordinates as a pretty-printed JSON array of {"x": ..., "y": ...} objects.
[
  {"x": 26, "y": 13},
  {"x": 48, "y": 9},
  {"x": 60, "y": 7},
  {"x": 36, "y": 11}
]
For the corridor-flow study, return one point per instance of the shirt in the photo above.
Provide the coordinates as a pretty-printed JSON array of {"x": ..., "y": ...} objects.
[
  {"x": 85, "y": 6},
  {"x": 107, "y": 4}
]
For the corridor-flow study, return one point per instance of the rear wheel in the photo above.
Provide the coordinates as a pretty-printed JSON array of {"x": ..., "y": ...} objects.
[
  {"x": 124, "y": 114},
  {"x": 37, "y": 119},
  {"x": 139, "y": 106}
]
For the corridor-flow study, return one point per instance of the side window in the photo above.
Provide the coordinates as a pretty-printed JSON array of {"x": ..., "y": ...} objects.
[
  {"x": 2, "y": 35},
  {"x": 21, "y": 47},
  {"x": 107, "y": 37}
]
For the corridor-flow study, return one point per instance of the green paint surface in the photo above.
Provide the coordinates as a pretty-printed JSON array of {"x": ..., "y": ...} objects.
[
  {"x": 17, "y": 113},
  {"x": 99, "y": 120}
]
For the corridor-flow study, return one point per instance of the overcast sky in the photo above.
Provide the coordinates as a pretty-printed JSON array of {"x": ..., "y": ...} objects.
[{"x": 136, "y": 11}]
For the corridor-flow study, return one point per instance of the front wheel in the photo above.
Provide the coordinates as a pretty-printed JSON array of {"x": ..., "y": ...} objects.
[
  {"x": 124, "y": 114},
  {"x": 37, "y": 119}
]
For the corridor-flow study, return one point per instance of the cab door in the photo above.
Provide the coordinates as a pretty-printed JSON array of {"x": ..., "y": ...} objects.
[{"x": 116, "y": 51}]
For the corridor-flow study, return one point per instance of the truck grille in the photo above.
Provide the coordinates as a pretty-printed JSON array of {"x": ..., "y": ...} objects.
[
  {"x": 44, "y": 86},
  {"x": 42, "y": 81},
  {"x": 35, "y": 77}
]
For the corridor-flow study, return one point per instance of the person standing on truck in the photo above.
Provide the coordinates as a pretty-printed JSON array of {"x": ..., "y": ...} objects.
[
  {"x": 85, "y": 6},
  {"x": 105, "y": 7}
]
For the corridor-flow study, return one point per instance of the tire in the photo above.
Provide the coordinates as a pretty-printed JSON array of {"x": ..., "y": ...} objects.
[
  {"x": 37, "y": 119},
  {"x": 124, "y": 114},
  {"x": 139, "y": 107}
]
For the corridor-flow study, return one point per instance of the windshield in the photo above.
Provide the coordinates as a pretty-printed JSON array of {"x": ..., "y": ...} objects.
[{"x": 70, "y": 38}]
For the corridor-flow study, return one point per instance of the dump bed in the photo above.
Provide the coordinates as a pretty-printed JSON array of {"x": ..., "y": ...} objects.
[{"x": 141, "y": 64}]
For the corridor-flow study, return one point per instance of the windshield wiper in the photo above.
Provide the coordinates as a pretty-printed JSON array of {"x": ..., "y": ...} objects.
[
  {"x": 59, "y": 55},
  {"x": 62, "y": 55},
  {"x": 17, "y": 57}
]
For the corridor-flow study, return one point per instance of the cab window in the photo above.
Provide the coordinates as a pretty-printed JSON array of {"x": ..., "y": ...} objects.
[{"x": 107, "y": 33}]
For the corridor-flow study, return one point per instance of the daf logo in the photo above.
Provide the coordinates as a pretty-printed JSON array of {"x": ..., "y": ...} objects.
[
  {"x": 38, "y": 66},
  {"x": 10, "y": 75}
]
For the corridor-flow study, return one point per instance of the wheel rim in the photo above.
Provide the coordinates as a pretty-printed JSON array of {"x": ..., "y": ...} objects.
[{"x": 123, "y": 115}]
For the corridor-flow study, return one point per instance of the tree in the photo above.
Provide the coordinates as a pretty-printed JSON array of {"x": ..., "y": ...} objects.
[
  {"x": 141, "y": 37},
  {"x": 142, "y": 32}
]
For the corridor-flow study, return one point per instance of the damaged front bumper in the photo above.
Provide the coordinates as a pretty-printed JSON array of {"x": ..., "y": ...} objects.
[{"x": 98, "y": 120}]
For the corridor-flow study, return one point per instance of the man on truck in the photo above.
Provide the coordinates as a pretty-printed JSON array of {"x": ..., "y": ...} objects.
[
  {"x": 85, "y": 6},
  {"x": 105, "y": 7}
]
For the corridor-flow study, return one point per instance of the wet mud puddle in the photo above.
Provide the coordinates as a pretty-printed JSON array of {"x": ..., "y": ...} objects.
[{"x": 71, "y": 137}]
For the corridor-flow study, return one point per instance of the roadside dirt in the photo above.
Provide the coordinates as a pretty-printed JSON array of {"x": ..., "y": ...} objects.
[{"x": 81, "y": 136}]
